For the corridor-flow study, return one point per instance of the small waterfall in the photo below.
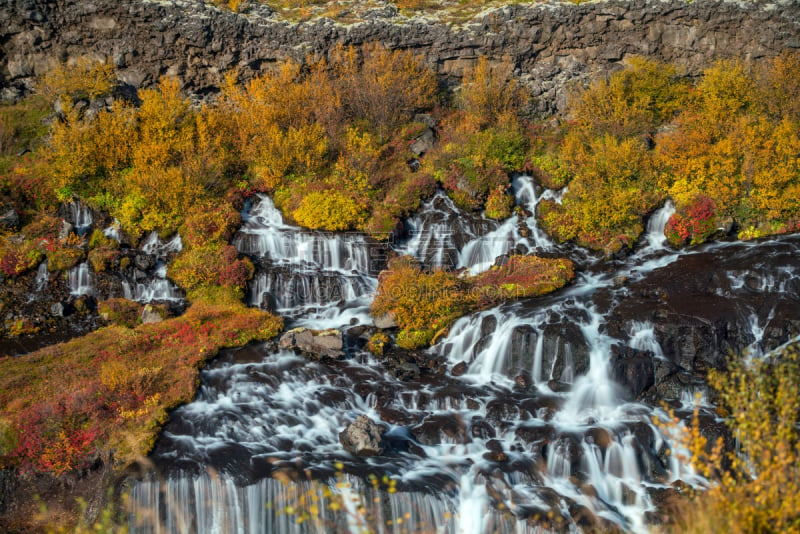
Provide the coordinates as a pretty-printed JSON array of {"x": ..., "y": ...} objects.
[
  {"x": 81, "y": 216},
  {"x": 440, "y": 233},
  {"x": 113, "y": 232},
  {"x": 643, "y": 338},
  {"x": 654, "y": 235},
  {"x": 286, "y": 290},
  {"x": 42, "y": 277},
  {"x": 156, "y": 287},
  {"x": 81, "y": 281},
  {"x": 152, "y": 244},
  {"x": 265, "y": 235},
  {"x": 525, "y": 194},
  {"x": 321, "y": 279}
]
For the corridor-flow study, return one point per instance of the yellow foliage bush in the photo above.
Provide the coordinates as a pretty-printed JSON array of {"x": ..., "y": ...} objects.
[
  {"x": 329, "y": 210},
  {"x": 631, "y": 102},
  {"x": 756, "y": 486},
  {"x": 84, "y": 77},
  {"x": 489, "y": 91}
]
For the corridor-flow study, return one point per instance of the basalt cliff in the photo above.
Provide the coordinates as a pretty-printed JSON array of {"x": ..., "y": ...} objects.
[{"x": 551, "y": 45}]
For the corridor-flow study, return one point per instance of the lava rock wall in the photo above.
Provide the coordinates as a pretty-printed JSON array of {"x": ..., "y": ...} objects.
[{"x": 550, "y": 44}]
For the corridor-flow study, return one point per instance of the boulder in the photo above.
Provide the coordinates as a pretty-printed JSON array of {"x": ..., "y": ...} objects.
[
  {"x": 384, "y": 321},
  {"x": 362, "y": 437},
  {"x": 317, "y": 343},
  {"x": 9, "y": 218},
  {"x": 144, "y": 261},
  {"x": 153, "y": 314},
  {"x": 423, "y": 142}
]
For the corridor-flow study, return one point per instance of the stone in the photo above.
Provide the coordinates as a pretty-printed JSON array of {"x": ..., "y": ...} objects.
[
  {"x": 384, "y": 321},
  {"x": 362, "y": 437},
  {"x": 459, "y": 369},
  {"x": 9, "y": 218},
  {"x": 423, "y": 142},
  {"x": 318, "y": 343},
  {"x": 57, "y": 309},
  {"x": 65, "y": 229},
  {"x": 152, "y": 314},
  {"x": 144, "y": 261}
]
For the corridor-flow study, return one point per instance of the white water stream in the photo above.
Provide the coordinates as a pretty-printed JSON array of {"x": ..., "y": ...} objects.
[{"x": 471, "y": 453}]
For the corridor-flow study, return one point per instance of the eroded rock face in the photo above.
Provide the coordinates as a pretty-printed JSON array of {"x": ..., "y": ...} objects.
[
  {"x": 550, "y": 45},
  {"x": 362, "y": 437}
]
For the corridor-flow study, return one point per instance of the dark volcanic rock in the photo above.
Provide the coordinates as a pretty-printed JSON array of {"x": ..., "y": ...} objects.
[{"x": 633, "y": 370}]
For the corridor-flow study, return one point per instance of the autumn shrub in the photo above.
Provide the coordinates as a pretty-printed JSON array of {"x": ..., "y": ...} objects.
[
  {"x": 381, "y": 87},
  {"x": 471, "y": 162},
  {"x": 17, "y": 257},
  {"x": 499, "y": 203},
  {"x": 329, "y": 210},
  {"x": 693, "y": 223},
  {"x": 632, "y": 102},
  {"x": 21, "y": 125},
  {"x": 84, "y": 77},
  {"x": 754, "y": 486},
  {"x": 64, "y": 258},
  {"x": 377, "y": 343},
  {"x": 550, "y": 171},
  {"x": 425, "y": 304},
  {"x": 421, "y": 303},
  {"x": 210, "y": 264},
  {"x": 520, "y": 277},
  {"x": 21, "y": 327},
  {"x": 613, "y": 187},
  {"x": 110, "y": 391},
  {"x": 489, "y": 92}
]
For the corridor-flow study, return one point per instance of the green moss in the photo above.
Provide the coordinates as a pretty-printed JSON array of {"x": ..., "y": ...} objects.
[{"x": 120, "y": 312}]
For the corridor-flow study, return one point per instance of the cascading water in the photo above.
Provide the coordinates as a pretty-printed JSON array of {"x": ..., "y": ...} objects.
[
  {"x": 81, "y": 216},
  {"x": 156, "y": 287},
  {"x": 81, "y": 282},
  {"x": 318, "y": 278},
  {"x": 541, "y": 421},
  {"x": 42, "y": 276}
]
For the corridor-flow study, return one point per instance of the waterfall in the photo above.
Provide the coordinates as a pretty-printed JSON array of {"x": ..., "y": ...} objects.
[
  {"x": 42, "y": 276},
  {"x": 152, "y": 244},
  {"x": 518, "y": 417},
  {"x": 317, "y": 278},
  {"x": 654, "y": 234},
  {"x": 81, "y": 216},
  {"x": 80, "y": 280}
]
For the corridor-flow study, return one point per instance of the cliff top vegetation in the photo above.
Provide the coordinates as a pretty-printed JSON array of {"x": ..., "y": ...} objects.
[{"x": 352, "y": 11}]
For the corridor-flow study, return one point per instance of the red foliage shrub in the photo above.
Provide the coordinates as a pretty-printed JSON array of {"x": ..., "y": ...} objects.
[{"x": 693, "y": 224}]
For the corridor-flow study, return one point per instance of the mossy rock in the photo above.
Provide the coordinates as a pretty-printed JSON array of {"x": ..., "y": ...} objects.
[{"x": 119, "y": 311}]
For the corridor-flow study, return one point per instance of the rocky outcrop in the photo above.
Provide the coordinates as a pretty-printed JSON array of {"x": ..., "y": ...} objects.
[
  {"x": 316, "y": 343},
  {"x": 550, "y": 44},
  {"x": 362, "y": 437}
]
